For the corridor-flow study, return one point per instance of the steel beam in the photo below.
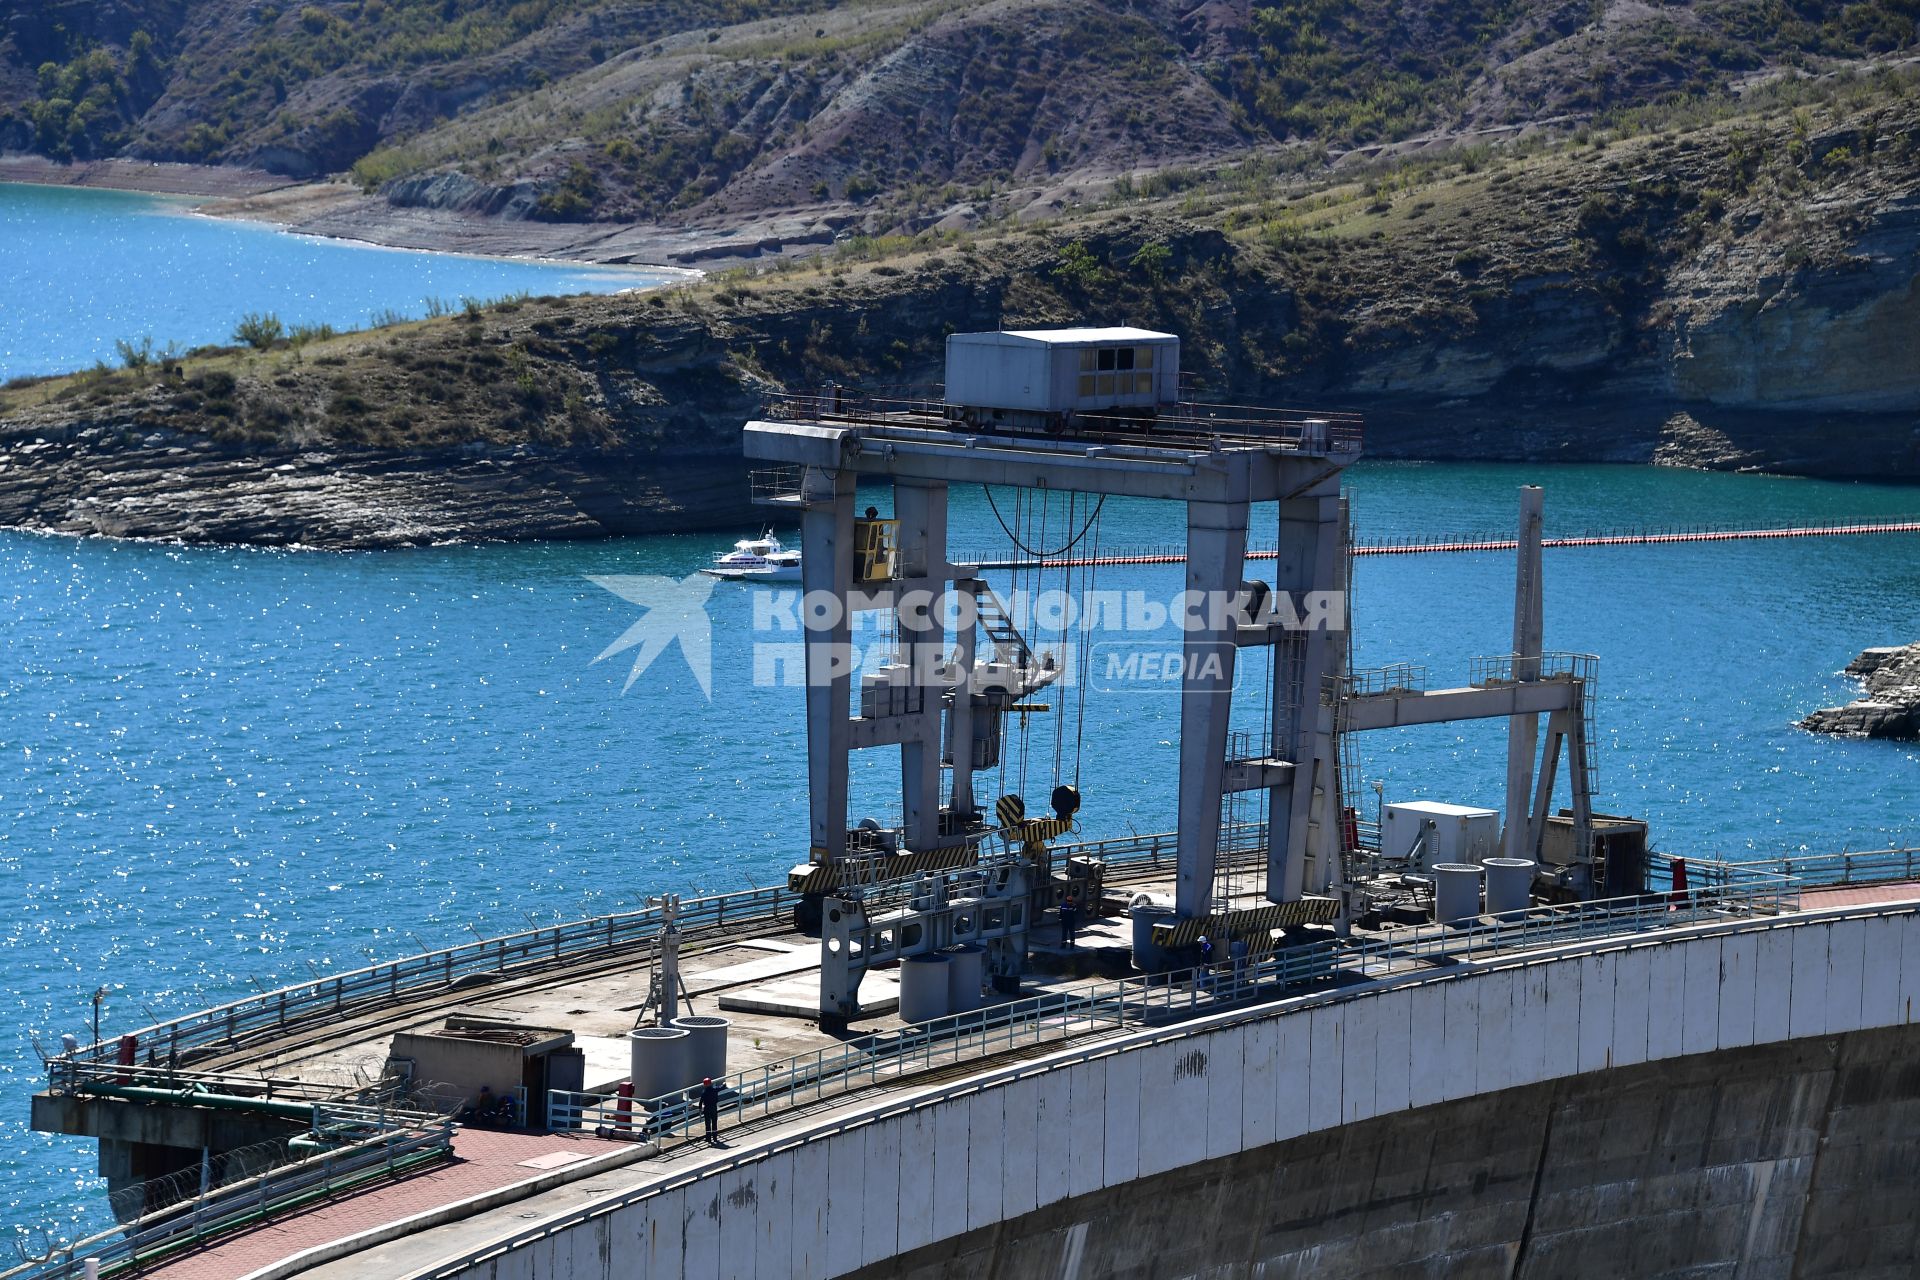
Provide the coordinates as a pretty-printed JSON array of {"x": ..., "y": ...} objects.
[
  {"x": 1216, "y": 552},
  {"x": 1400, "y": 709},
  {"x": 1523, "y": 732},
  {"x": 1174, "y": 473},
  {"x": 1310, "y": 557},
  {"x": 920, "y": 507},
  {"x": 826, "y": 565}
]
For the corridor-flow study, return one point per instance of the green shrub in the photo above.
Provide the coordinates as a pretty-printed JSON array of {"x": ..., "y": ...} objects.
[
  {"x": 259, "y": 330},
  {"x": 1151, "y": 260},
  {"x": 572, "y": 200},
  {"x": 134, "y": 355},
  {"x": 301, "y": 334},
  {"x": 216, "y": 384},
  {"x": 1076, "y": 265}
]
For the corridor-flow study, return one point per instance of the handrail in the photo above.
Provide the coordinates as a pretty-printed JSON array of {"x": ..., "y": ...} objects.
[
  {"x": 1849, "y": 866},
  {"x": 72, "y": 1074},
  {"x": 247, "y": 1201}
]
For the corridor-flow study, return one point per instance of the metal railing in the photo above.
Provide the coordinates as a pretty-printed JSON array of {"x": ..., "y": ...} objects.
[
  {"x": 174, "y": 1044},
  {"x": 1498, "y": 668},
  {"x": 243, "y": 1203},
  {"x": 76, "y": 1075},
  {"x": 1248, "y": 744},
  {"x": 1395, "y": 677},
  {"x": 767, "y": 485},
  {"x": 1811, "y": 870},
  {"x": 869, "y": 1060},
  {"x": 187, "y": 1039},
  {"x": 1138, "y": 1001},
  {"x": 1308, "y": 431}
]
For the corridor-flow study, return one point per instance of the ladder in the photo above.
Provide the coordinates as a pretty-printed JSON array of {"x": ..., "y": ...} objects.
[{"x": 995, "y": 621}]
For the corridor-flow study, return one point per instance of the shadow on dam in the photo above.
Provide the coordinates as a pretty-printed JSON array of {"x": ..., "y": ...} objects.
[{"x": 1798, "y": 1158}]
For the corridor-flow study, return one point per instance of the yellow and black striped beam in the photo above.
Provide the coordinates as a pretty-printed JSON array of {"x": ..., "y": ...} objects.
[
  {"x": 825, "y": 877},
  {"x": 1032, "y": 833},
  {"x": 1255, "y": 924}
]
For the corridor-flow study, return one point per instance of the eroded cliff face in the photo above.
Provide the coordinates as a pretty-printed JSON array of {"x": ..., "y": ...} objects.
[
  {"x": 505, "y": 428},
  {"x": 1755, "y": 330}
]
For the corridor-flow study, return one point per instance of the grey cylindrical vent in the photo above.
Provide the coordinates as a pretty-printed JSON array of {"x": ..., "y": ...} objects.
[
  {"x": 966, "y": 975},
  {"x": 660, "y": 1061},
  {"x": 1509, "y": 886},
  {"x": 1148, "y": 955},
  {"x": 706, "y": 1044},
  {"x": 1456, "y": 891}
]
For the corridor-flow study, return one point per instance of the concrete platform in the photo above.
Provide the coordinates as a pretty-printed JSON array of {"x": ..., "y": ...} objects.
[{"x": 799, "y": 996}]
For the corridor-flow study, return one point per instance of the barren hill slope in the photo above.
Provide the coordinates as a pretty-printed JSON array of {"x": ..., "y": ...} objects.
[{"x": 894, "y": 110}]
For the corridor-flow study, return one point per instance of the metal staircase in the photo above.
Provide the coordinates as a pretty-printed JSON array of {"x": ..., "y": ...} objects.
[{"x": 998, "y": 624}]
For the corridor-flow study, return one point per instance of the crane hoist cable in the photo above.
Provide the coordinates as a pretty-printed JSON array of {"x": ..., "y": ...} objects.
[
  {"x": 1015, "y": 538},
  {"x": 1084, "y": 659},
  {"x": 1066, "y": 589}
]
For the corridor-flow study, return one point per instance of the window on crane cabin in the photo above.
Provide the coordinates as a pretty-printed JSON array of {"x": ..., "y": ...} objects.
[
  {"x": 1143, "y": 359},
  {"x": 1111, "y": 371}
]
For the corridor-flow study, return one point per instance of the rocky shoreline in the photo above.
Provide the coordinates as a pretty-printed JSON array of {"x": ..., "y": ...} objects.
[
  {"x": 169, "y": 487},
  {"x": 1891, "y": 707}
]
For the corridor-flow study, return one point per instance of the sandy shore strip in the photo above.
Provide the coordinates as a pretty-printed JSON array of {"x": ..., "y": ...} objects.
[
  {"x": 150, "y": 177},
  {"x": 342, "y": 211}
]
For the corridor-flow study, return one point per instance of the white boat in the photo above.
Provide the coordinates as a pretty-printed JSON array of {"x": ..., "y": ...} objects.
[{"x": 760, "y": 559}]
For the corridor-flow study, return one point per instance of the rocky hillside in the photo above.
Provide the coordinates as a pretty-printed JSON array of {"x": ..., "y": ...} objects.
[
  {"x": 899, "y": 112},
  {"x": 1736, "y": 292}
]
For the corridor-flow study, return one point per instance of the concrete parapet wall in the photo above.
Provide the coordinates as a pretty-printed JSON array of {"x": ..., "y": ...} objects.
[{"x": 1338, "y": 1136}]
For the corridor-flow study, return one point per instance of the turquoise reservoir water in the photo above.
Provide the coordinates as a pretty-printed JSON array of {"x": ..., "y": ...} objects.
[
  {"x": 222, "y": 765},
  {"x": 80, "y": 269}
]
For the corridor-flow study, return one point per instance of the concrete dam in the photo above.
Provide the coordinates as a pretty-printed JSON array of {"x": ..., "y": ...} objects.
[{"x": 1717, "y": 1100}]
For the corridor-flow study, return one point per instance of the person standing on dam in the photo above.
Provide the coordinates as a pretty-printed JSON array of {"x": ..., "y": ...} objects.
[
  {"x": 710, "y": 1108},
  {"x": 1069, "y": 916}
]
